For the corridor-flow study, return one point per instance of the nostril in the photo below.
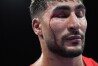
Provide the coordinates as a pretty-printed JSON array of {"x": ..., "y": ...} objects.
[{"x": 73, "y": 30}]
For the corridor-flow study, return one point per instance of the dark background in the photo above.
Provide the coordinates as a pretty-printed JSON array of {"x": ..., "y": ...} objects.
[{"x": 19, "y": 46}]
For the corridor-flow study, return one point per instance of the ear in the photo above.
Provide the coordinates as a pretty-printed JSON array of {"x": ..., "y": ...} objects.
[{"x": 36, "y": 25}]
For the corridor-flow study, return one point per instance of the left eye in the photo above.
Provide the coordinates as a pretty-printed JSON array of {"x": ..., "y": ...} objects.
[{"x": 80, "y": 13}]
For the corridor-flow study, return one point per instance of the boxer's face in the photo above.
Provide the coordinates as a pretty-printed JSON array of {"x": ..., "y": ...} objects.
[{"x": 64, "y": 26}]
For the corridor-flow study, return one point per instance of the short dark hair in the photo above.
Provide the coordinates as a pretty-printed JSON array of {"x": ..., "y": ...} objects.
[{"x": 38, "y": 6}]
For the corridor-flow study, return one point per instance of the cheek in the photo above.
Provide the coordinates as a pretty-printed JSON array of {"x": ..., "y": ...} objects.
[
  {"x": 47, "y": 30},
  {"x": 57, "y": 25},
  {"x": 84, "y": 25}
]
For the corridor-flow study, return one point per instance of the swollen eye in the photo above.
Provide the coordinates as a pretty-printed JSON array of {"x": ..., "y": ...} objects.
[
  {"x": 80, "y": 13},
  {"x": 61, "y": 14}
]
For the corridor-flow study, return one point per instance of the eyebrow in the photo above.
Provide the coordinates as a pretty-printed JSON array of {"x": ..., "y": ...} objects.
[
  {"x": 66, "y": 7},
  {"x": 62, "y": 8}
]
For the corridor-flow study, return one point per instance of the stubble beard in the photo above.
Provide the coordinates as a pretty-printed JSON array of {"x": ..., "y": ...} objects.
[{"x": 63, "y": 51}]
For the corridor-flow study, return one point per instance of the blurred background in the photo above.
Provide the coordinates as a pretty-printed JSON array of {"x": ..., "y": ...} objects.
[{"x": 19, "y": 46}]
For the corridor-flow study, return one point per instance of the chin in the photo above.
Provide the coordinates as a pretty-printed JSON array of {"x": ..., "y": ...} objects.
[
  {"x": 67, "y": 50},
  {"x": 72, "y": 51}
]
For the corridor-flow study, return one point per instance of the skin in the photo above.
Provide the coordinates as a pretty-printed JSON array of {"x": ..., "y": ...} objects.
[{"x": 53, "y": 31}]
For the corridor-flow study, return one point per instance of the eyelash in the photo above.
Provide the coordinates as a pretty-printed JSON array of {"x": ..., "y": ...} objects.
[{"x": 63, "y": 15}]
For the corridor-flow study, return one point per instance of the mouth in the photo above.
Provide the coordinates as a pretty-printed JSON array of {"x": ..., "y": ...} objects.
[{"x": 75, "y": 39}]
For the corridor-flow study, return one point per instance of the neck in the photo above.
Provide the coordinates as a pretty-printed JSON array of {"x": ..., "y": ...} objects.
[{"x": 50, "y": 59}]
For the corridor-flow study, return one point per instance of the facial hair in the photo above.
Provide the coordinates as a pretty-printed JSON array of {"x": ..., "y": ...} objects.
[{"x": 62, "y": 51}]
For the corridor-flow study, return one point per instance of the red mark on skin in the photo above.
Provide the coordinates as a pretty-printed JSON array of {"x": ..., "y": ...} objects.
[{"x": 53, "y": 36}]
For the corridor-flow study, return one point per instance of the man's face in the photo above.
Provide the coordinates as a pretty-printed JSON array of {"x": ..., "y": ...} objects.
[{"x": 63, "y": 27}]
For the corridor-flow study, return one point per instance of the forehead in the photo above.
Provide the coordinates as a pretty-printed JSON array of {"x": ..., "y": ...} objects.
[
  {"x": 66, "y": 0},
  {"x": 52, "y": 5},
  {"x": 56, "y": 3}
]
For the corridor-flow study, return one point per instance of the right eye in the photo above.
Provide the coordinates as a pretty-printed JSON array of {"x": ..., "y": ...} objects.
[{"x": 61, "y": 14}]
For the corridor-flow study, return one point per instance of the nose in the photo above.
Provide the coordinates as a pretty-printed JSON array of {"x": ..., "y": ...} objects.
[{"x": 73, "y": 23}]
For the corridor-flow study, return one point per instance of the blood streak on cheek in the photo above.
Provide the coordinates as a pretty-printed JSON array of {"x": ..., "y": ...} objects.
[{"x": 53, "y": 35}]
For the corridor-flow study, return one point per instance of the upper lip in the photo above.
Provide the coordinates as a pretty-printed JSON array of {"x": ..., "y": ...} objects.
[{"x": 72, "y": 37}]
